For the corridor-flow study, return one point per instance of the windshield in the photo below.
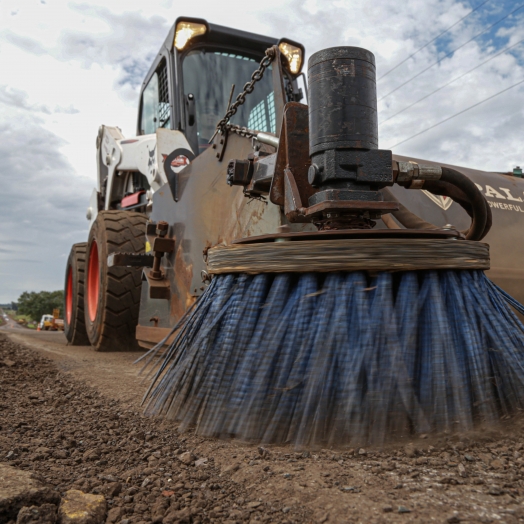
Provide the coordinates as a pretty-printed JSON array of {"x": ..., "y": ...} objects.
[{"x": 209, "y": 75}]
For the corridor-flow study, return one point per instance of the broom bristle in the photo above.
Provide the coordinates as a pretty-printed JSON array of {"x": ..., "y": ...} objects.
[{"x": 342, "y": 358}]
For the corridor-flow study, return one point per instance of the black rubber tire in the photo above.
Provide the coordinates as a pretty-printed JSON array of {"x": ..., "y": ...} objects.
[
  {"x": 75, "y": 329},
  {"x": 115, "y": 313}
]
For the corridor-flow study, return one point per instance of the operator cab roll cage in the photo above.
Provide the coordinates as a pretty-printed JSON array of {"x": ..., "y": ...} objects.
[{"x": 223, "y": 39}]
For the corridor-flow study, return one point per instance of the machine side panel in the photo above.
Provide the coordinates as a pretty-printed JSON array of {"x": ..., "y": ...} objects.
[
  {"x": 208, "y": 212},
  {"x": 505, "y": 195}
]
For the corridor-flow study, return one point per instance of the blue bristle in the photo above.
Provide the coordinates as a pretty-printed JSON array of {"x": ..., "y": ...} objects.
[{"x": 342, "y": 358}]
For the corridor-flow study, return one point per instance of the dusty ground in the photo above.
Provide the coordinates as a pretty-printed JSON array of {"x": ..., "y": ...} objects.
[{"x": 72, "y": 416}]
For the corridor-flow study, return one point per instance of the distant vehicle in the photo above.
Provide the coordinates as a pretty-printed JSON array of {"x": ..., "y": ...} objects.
[{"x": 50, "y": 323}]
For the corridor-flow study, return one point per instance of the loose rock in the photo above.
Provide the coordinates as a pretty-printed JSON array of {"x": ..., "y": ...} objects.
[
  {"x": 187, "y": 457},
  {"x": 18, "y": 489},
  {"x": 82, "y": 508},
  {"x": 44, "y": 514}
]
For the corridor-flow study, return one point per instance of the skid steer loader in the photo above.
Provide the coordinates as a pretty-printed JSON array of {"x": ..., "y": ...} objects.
[{"x": 216, "y": 160}]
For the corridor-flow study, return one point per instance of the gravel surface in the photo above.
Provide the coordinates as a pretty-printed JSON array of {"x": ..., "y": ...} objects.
[{"x": 72, "y": 436}]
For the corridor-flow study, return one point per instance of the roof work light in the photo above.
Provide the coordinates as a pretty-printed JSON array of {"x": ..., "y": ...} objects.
[
  {"x": 293, "y": 55},
  {"x": 185, "y": 31}
]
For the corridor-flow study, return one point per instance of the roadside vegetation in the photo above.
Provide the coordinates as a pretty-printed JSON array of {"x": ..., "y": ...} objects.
[{"x": 32, "y": 305}]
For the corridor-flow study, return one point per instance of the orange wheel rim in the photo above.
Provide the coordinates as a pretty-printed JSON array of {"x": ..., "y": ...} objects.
[
  {"x": 93, "y": 282},
  {"x": 69, "y": 295}
]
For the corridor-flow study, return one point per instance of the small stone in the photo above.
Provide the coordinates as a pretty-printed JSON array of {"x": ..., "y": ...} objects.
[
  {"x": 112, "y": 489},
  {"x": 496, "y": 464},
  {"x": 462, "y": 470},
  {"x": 9, "y": 363},
  {"x": 109, "y": 478},
  {"x": 495, "y": 491},
  {"x": 82, "y": 508},
  {"x": 409, "y": 450},
  {"x": 454, "y": 519},
  {"x": 187, "y": 457},
  {"x": 477, "y": 481},
  {"x": 168, "y": 493},
  {"x": 44, "y": 514},
  {"x": 114, "y": 515},
  {"x": 158, "y": 510},
  {"x": 469, "y": 458},
  {"x": 70, "y": 444},
  {"x": 362, "y": 451},
  {"x": 231, "y": 469},
  {"x": 403, "y": 509},
  {"x": 254, "y": 504},
  {"x": 60, "y": 454},
  {"x": 200, "y": 462},
  {"x": 287, "y": 476},
  {"x": 287, "y": 509},
  {"x": 141, "y": 508},
  {"x": 387, "y": 509},
  {"x": 90, "y": 455},
  {"x": 485, "y": 457},
  {"x": 146, "y": 481}
]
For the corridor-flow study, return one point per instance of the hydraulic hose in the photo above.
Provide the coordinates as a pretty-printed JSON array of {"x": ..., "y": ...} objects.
[
  {"x": 460, "y": 189},
  {"x": 438, "y": 187},
  {"x": 481, "y": 210}
]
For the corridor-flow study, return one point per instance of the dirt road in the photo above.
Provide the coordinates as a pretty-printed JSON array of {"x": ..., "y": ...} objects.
[
  {"x": 95, "y": 369},
  {"x": 73, "y": 417}
]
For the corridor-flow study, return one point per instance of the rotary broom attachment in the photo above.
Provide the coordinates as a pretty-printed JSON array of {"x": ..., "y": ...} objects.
[{"x": 348, "y": 334}]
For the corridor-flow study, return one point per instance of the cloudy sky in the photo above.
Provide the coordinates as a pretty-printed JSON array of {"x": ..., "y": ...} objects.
[{"x": 68, "y": 66}]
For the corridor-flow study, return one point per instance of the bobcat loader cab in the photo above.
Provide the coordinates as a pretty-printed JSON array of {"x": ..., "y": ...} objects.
[
  {"x": 184, "y": 95},
  {"x": 199, "y": 71}
]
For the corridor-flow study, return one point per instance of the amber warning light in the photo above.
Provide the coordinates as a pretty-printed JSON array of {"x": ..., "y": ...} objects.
[
  {"x": 185, "y": 31},
  {"x": 293, "y": 55}
]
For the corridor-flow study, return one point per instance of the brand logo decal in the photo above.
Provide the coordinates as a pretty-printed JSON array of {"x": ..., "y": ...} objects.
[{"x": 443, "y": 202}]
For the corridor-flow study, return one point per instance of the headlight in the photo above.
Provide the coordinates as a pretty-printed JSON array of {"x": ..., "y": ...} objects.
[
  {"x": 293, "y": 55},
  {"x": 185, "y": 31}
]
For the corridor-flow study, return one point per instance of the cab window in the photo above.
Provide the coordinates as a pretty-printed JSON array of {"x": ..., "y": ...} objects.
[
  {"x": 155, "y": 102},
  {"x": 208, "y": 76}
]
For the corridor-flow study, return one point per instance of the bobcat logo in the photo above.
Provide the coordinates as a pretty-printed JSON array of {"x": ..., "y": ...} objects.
[{"x": 151, "y": 163}]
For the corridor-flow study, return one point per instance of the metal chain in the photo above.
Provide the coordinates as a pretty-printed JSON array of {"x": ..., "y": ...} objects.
[
  {"x": 242, "y": 131},
  {"x": 224, "y": 126}
]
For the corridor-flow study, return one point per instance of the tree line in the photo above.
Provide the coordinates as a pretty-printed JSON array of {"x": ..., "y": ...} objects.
[{"x": 34, "y": 304}]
